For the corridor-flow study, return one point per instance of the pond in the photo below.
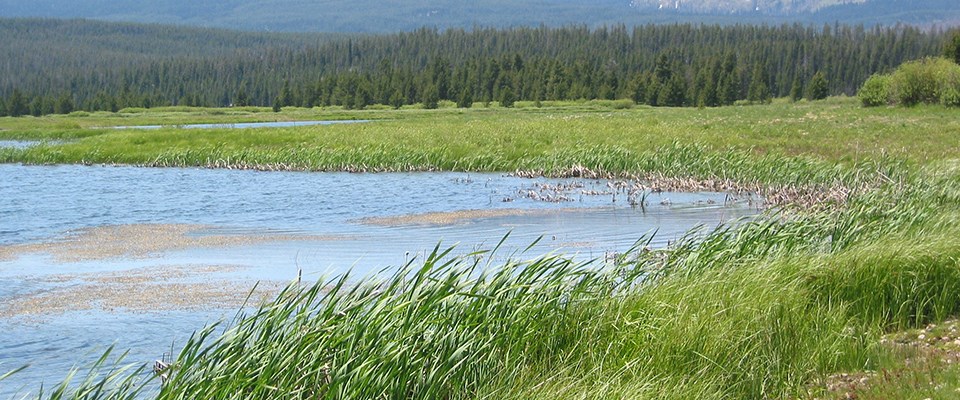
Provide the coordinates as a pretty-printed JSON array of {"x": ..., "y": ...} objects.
[
  {"x": 92, "y": 256},
  {"x": 247, "y": 125}
]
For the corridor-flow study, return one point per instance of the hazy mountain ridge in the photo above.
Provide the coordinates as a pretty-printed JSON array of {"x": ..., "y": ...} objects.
[
  {"x": 404, "y": 15},
  {"x": 773, "y": 7}
]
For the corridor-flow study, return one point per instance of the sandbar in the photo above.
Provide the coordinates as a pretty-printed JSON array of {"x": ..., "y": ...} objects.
[{"x": 141, "y": 241}]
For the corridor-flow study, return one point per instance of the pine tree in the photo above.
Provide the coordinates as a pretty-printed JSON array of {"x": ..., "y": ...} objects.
[
  {"x": 64, "y": 104},
  {"x": 397, "y": 99},
  {"x": 431, "y": 97},
  {"x": 466, "y": 98},
  {"x": 638, "y": 89},
  {"x": 819, "y": 87},
  {"x": 507, "y": 99},
  {"x": 286, "y": 95},
  {"x": 242, "y": 99},
  {"x": 36, "y": 106},
  {"x": 728, "y": 86},
  {"x": 796, "y": 89},
  {"x": 952, "y": 47},
  {"x": 673, "y": 93},
  {"x": 16, "y": 104},
  {"x": 758, "y": 92}
]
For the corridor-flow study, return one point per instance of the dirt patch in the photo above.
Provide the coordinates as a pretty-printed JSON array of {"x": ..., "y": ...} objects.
[
  {"x": 139, "y": 241},
  {"x": 923, "y": 357},
  {"x": 142, "y": 290}
]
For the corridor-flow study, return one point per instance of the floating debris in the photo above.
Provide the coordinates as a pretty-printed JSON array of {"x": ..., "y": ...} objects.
[
  {"x": 636, "y": 186},
  {"x": 454, "y": 217}
]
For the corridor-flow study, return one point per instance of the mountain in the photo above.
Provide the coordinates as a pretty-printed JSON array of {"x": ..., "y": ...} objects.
[
  {"x": 403, "y": 15},
  {"x": 770, "y": 7}
]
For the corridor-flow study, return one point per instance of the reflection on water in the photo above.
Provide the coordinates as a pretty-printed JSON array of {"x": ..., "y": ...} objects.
[
  {"x": 246, "y": 125},
  {"x": 271, "y": 227}
]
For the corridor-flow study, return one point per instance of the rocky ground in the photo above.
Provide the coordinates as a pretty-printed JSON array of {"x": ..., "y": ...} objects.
[{"x": 922, "y": 364}]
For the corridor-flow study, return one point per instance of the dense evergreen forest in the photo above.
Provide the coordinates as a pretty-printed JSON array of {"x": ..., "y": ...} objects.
[{"x": 62, "y": 66}]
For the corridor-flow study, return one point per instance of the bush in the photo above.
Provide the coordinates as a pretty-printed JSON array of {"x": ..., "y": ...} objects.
[
  {"x": 950, "y": 97},
  {"x": 915, "y": 82},
  {"x": 950, "y": 87},
  {"x": 927, "y": 81},
  {"x": 875, "y": 91}
]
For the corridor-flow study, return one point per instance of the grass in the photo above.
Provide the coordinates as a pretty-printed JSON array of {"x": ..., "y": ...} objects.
[
  {"x": 766, "y": 309},
  {"x": 496, "y": 139}
]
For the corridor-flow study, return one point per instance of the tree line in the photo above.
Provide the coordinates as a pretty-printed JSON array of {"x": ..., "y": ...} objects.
[{"x": 660, "y": 65}]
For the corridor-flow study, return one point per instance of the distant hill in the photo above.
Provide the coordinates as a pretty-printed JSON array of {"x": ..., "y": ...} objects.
[
  {"x": 768, "y": 7},
  {"x": 404, "y": 15}
]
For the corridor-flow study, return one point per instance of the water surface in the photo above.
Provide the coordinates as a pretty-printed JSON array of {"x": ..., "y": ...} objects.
[
  {"x": 18, "y": 144},
  {"x": 203, "y": 226}
]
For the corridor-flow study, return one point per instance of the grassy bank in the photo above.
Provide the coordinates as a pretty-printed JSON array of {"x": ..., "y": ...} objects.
[
  {"x": 761, "y": 310},
  {"x": 492, "y": 139}
]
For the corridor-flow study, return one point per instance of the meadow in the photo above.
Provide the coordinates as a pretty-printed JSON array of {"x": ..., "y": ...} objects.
[{"x": 774, "y": 308}]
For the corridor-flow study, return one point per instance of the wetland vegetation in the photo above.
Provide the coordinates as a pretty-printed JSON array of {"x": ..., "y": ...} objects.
[
  {"x": 858, "y": 247},
  {"x": 790, "y": 305}
]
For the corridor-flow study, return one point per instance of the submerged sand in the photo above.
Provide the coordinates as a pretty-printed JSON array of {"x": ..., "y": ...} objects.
[
  {"x": 140, "y": 241},
  {"x": 153, "y": 289}
]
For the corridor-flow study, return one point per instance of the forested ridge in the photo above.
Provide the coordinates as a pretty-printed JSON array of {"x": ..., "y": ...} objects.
[{"x": 61, "y": 66}]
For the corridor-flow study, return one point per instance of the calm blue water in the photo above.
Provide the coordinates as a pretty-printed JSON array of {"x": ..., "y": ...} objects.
[
  {"x": 40, "y": 203},
  {"x": 247, "y": 125}
]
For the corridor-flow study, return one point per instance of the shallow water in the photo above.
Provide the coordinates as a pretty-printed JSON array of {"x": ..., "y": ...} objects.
[
  {"x": 18, "y": 144},
  {"x": 268, "y": 226},
  {"x": 246, "y": 125}
]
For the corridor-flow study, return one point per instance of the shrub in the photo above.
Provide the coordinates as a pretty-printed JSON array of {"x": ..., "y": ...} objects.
[
  {"x": 950, "y": 86},
  {"x": 875, "y": 91},
  {"x": 915, "y": 82}
]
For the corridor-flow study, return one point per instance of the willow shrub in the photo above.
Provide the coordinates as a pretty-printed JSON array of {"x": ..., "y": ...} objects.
[
  {"x": 875, "y": 91},
  {"x": 926, "y": 81}
]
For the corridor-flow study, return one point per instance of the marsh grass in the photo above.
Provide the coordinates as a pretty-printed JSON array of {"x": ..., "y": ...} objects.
[
  {"x": 757, "y": 309},
  {"x": 837, "y": 131}
]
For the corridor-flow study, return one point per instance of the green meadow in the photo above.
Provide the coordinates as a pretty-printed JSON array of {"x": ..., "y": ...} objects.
[
  {"x": 492, "y": 138},
  {"x": 773, "y": 308}
]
